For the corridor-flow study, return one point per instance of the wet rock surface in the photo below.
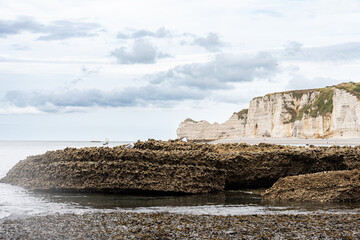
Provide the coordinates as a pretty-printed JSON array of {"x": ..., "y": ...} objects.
[
  {"x": 175, "y": 167},
  {"x": 123, "y": 225},
  {"x": 333, "y": 186}
]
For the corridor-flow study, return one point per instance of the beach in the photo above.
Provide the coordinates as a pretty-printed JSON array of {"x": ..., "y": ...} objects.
[{"x": 125, "y": 225}]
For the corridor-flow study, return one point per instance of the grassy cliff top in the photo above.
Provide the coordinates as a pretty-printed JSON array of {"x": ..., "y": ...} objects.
[
  {"x": 322, "y": 103},
  {"x": 190, "y": 120},
  {"x": 351, "y": 87},
  {"x": 242, "y": 114},
  {"x": 295, "y": 93}
]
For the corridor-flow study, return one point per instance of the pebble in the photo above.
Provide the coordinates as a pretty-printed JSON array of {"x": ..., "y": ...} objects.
[{"x": 126, "y": 225}]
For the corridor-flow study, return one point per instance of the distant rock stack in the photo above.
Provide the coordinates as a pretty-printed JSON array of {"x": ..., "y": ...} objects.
[{"x": 331, "y": 112}]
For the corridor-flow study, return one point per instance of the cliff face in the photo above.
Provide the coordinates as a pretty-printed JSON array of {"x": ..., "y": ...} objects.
[
  {"x": 314, "y": 113},
  {"x": 232, "y": 128}
]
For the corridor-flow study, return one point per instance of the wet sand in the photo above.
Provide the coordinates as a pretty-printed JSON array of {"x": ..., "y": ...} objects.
[
  {"x": 123, "y": 225},
  {"x": 294, "y": 141}
]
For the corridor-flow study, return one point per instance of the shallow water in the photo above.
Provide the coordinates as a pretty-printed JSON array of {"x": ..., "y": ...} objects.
[{"x": 18, "y": 202}]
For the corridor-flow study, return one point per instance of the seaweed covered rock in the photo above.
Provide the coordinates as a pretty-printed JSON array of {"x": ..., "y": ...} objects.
[
  {"x": 172, "y": 145},
  {"x": 260, "y": 166},
  {"x": 117, "y": 170},
  {"x": 175, "y": 167},
  {"x": 261, "y": 169},
  {"x": 333, "y": 186}
]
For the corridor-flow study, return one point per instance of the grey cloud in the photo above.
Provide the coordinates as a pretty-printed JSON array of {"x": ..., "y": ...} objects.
[
  {"x": 339, "y": 52},
  {"x": 211, "y": 42},
  {"x": 87, "y": 71},
  {"x": 58, "y": 30},
  {"x": 75, "y": 81},
  {"x": 143, "y": 96},
  {"x": 269, "y": 13},
  {"x": 196, "y": 81},
  {"x": 20, "y": 47},
  {"x": 217, "y": 74},
  {"x": 71, "y": 84},
  {"x": 122, "y": 35},
  {"x": 160, "y": 33},
  {"x": 187, "y": 34},
  {"x": 9, "y": 27},
  {"x": 163, "y": 55},
  {"x": 292, "y": 48},
  {"x": 142, "y": 51}
]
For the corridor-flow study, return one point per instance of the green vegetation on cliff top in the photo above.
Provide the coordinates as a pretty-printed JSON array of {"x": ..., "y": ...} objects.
[
  {"x": 189, "y": 120},
  {"x": 320, "y": 104},
  {"x": 351, "y": 87},
  {"x": 242, "y": 114}
]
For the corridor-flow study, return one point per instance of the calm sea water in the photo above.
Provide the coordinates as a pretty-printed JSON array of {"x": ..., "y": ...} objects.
[{"x": 18, "y": 202}]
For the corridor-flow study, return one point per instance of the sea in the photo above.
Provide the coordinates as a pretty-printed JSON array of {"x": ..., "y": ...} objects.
[{"x": 16, "y": 202}]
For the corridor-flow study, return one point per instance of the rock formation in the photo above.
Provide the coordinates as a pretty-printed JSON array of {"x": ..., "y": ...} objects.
[
  {"x": 175, "y": 167},
  {"x": 315, "y": 113},
  {"x": 116, "y": 170},
  {"x": 334, "y": 186}
]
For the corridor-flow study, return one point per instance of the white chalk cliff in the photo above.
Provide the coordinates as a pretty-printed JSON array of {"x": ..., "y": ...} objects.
[{"x": 315, "y": 113}]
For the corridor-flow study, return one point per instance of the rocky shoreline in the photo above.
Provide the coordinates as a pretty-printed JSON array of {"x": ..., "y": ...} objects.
[
  {"x": 124, "y": 225},
  {"x": 175, "y": 167}
]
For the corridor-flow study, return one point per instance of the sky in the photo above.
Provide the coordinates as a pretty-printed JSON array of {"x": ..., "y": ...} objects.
[{"x": 129, "y": 70}]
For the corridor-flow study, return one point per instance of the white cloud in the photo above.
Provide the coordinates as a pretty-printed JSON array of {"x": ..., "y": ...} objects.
[
  {"x": 14, "y": 110},
  {"x": 160, "y": 33},
  {"x": 57, "y": 30}
]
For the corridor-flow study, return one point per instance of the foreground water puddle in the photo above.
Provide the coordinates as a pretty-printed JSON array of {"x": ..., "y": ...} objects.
[
  {"x": 17, "y": 202},
  {"x": 224, "y": 203}
]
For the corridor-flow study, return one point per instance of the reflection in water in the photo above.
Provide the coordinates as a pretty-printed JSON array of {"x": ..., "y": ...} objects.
[
  {"x": 229, "y": 202},
  {"x": 113, "y": 201}
]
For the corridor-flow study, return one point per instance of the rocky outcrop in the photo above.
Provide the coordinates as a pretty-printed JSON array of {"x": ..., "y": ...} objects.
[
  {"x": 315, "y": 113},
  {"x": 117, "y": 170},
  {"x": 175, "y": 167},
  {"x": 334, "y": 186}
]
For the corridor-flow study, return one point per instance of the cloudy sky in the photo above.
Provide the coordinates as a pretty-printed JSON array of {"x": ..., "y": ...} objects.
[{"x": 127, "y": 70}]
